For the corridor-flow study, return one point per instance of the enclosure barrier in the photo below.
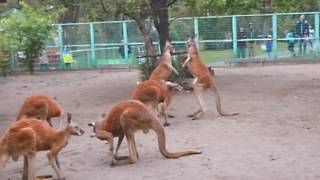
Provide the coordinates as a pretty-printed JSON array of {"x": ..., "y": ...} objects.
[{"x": 97, "y": 44}]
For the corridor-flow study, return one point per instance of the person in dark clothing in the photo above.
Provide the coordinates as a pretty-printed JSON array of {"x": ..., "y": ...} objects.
[
  {"x": 302, "y": 32},
  {"x": 291, "y": 41},
  {"x": 242, "y": 45},
  {"x": 251, "y": 43},
  {"x": 269, "y": 46},
  {"x": 121, "y": 50}
]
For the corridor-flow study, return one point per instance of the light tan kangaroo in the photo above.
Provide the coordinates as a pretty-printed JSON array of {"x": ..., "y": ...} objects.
[
  {"x": 126, "y": 118},
  {"x": 155, "y": 95},
  {"x": 163, "y": 71},
  {"x": 203, "y": 80},
  {"x": 28, "y": 136},
  {"x": 41, "y": 107}
]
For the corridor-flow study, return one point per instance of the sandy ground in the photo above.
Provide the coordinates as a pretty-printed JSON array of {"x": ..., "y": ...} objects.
[{"x": 276, "y": 135}]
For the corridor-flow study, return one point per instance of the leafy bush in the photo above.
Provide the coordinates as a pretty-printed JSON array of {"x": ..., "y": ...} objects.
[{"x": 31, "y": 28}]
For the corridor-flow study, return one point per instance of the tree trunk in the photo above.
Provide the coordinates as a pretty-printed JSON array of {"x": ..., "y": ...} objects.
[
  {"x": 267, "y": 23},
  {"x": 71, "y": 15},
  {"x": 30, "y": 61},
  {"x": 161, "y": 20},
  {"x": 150, "y": 51}
]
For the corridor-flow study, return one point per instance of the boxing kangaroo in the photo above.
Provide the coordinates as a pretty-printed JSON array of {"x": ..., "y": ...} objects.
[{"x": 203, "y": 80}]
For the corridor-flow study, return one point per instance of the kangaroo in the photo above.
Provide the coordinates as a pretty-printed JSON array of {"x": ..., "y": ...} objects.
[
  {"x": 155, "y": 95},
  {"x": 28, "y": 136},
  {"x": 126, "y": 118},
  {"x": 163, "y": 71},
  {"x": 41, "y": 107},
  {"x": 203, "y": 80}
]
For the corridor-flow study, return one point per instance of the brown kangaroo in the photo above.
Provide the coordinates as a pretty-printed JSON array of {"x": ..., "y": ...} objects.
[
  {"x": 163, "y": 71},
  {"x": 203, "y": 80},
  {"x": 155, "y": 95},
  {"x": 28, "y": 136},
  {"x": 126, "y": 118},
  {"x": 41, "y": 107}
]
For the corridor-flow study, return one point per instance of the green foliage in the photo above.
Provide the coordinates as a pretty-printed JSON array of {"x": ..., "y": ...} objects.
[
  {"x": 31, "y": 29},
  {"x": 6, "y": 44}
]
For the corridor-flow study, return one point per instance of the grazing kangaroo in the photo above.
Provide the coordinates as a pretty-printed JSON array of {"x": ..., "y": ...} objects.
[
  {"x": 155, "y": 95},
  {"x": 126, "y": 118},
  {"x": 41, "y": 107},
  {"x": 163, "y": 71},
  {"x": 28, "y": 136},
  {"x": 203, "y": 80}
]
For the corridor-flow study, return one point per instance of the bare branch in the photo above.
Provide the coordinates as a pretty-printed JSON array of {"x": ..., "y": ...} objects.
[
  {"x": 104, "y": 7},
  {"x": 70, "y": 4},
  {"x": 171, "y": 3}
]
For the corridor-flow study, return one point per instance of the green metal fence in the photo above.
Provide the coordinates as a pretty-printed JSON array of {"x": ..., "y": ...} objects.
[{"x": 96, "y": 44}]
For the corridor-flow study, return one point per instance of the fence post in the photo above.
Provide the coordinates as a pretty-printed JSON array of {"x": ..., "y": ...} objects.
[
  {"x": 234, "y": 36},
  {"x": 60, "y": 34},
  {"x": 125, "y": 40},
  {"x": 196, "y": 30},
  {"x": 92, "y": 46},
  {"x": 274, "y": 36},
  {"x": 316, "y": 33}
]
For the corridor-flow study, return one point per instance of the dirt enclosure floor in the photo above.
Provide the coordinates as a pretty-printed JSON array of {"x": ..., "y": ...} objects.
[{"x": 276, "y": 136}]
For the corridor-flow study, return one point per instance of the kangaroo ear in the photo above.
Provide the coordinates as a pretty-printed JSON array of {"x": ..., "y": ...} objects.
[
  {"x": 192, "y": 37},
  {"x": 69, "y": 117},
  {"x": 92, "y": 124}
]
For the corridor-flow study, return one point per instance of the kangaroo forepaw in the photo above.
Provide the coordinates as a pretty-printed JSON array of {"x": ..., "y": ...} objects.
[
  {"x": 166, "y": 124},
  {"x": 121, "y": 157},
  {"x": 171, "y": 116},
  {"x": 44, "y": 177}
]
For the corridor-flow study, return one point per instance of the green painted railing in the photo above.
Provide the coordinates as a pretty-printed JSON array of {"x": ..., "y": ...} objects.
[{"x": 101, "y": 43}]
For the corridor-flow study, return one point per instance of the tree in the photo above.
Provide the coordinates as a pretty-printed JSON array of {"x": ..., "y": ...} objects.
[
  {"x": 5, "y": 43},
  {"x": 31, "y": 28},
  {"x": 161, "y": 19},
  {"x": 137, "y": 10}
]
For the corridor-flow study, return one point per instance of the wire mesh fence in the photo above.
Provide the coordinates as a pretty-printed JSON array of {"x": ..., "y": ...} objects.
[{"x": 221, "y": 39}]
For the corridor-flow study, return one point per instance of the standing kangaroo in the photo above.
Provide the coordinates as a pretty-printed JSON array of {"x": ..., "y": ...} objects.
[
  {"x": 164, "y": 70},
  {"x": 203, "y": 80},
  {"x": 28, "y": 136},
  {"x": 40, "y": 107},
  {"x": 126, "y": 118}
]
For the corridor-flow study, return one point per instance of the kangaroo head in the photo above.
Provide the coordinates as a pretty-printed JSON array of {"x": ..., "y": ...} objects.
[
  {"x": 191, "y": 43},
  {"x": 74, "y": 128},
  {"x": 168, "y": 47},
  {"x": 94, "y": 125}
]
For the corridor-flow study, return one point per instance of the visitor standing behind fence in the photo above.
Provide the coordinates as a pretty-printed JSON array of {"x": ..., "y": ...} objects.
[
  {"x": 251, "y": 43},
  {"x": 269, "y": 46},
  {"x": 122, "y": 50},
  {"x": 311, "y": 38},
  {"x": 242, "y": 45},
  {"x": 302, "y": 32},
  {"x": 67, "y": 58},
  {"x": 291, "y": 41}
]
